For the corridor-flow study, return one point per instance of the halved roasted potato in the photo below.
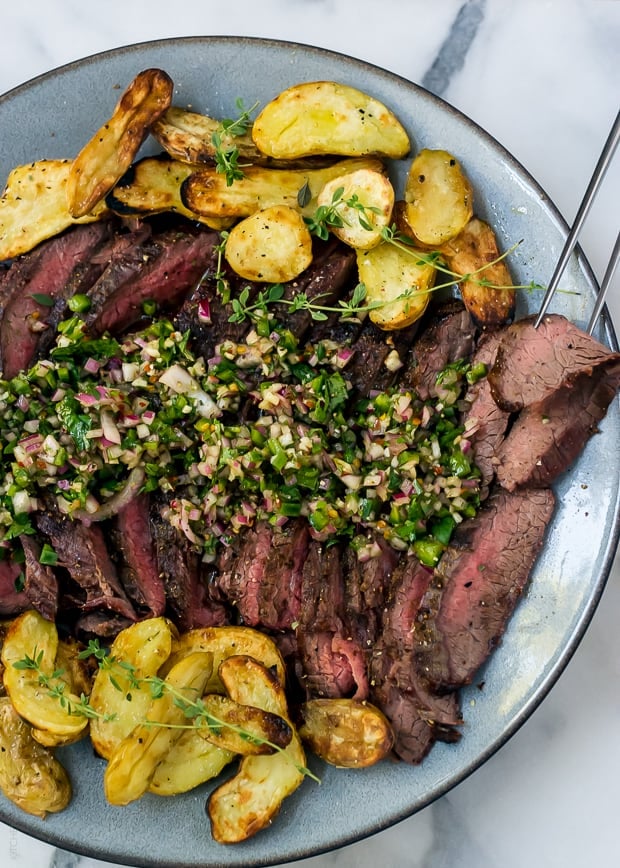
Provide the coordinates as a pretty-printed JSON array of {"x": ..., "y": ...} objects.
[
  {"x": 270, "y": 246},
  {"x": 188, "y": 136},
  {"x": 398, "y": 284},
  {"x": 30, "y": 776},
  {"x": 206, "y": 191},
  {"x": 110, "y": 152},
  {"x": 325, "y": 117},
  {"x": 345, "y": 732},
  {"x": 487, "y": 291},
  {"x": 132, "y": 764},
  {"x": 76, "y": 675},
  {"x": 224, "y": 642},
  {"x": 117, "y": 696},
  {"x": 362, "y": 202},
  {"x": 34, "y": 207},
  {"x": 438, "y": 196},
  {"x": 191, "y": 761},
  {"x": 29, "y": 656},
  {"x": 250, "y": 800},
  {"x": 153, "y": 185},
  {"x": 243, "y": 729}
]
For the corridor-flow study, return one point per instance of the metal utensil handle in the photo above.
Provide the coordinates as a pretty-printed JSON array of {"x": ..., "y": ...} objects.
[
  {"x": 595, "y": 182},
  {"x": 609, "y": 273}
]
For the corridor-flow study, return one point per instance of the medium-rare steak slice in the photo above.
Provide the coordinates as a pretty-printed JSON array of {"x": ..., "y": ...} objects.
[
  {"x": 162, "y": 269},
  {"x": 41, "y": 584},
  {"x": 179, "y": 568},
  {"x": 133, "y": 541},
  {"x": 82, "y": 552},
  {"x": 49, "y": 273},
  {"x": 447, "y": 337},
  {"x": 331, "y": 666},
  {"x": 549, "y": 435},
  {"x": 477, "y": 584},
  {"x": 533, "y": 363},
  {"x": 418, "y": 716},
  {"x": 485, "y": 423},
  {"x": 322, "y": 599}
]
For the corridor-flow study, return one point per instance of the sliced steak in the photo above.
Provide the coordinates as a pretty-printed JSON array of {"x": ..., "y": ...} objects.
[
  {"x": 163, "y": 269},
  {"x": 41, "y": 584},
  {"x": 242, "y": 571},
  {"x": 102, "y": 624},
  {"x": 377, "y": 357},
  {"x": 533, "y": 363},
  {"x": 12, "y": 601},
  {"x": 49, "y": 275},
  {"x": 418, "y": 716},
  {"x": 138, "y": 569},
  {"x": 331, "y": 666},
  {"x": 485, "y": 423},
  {"x": 179, "y": 568},
  {"x": 447, "y": 337},
  {"x": 322, "y": 601},
  {"x": 477, "y": 584},
  {"x": 82, "y": 552},
  {"x": 549, "y": 435}
]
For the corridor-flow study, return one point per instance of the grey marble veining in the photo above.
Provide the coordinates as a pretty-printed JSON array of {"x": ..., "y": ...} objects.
[{"x": 543, "y": 78}]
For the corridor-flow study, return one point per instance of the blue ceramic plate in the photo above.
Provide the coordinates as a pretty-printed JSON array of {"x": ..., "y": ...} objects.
[{"x": 53, "y": 116}]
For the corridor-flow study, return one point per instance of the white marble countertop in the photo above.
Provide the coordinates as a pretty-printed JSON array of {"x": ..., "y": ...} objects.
[{"x": 543, "y": 77}]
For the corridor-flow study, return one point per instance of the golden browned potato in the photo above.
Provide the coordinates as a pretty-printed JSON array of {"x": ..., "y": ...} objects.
[
  {"x": 132, "y": 764},
  {"x": 243, "y": 729},
  {"x": 30, "y": 776},
  {"x": 153, "y": 185},
  {"x": 188, "y": 136},
  {"x": 438, "y": 196},
  {"x": 145, "y": 645},
  {"x": 325, "y": 117},
  {"x": 224, "y": 642},
  {"x": 474, "y": 252},
  {"x": 273, "y": 245},
  {"x": 398, "y": 281},
  {"x": 110, "y": 152},
  {"x": 345, "y": 732},
  {"x": 33, "y": 640},
  {"x": 362, "y": 201},
  {"x": 190, "y": 762},
  {"x": 206, "y": 191},
  {"x": 250, "y": 800},
  {"x": 76, "y": 675},
  {"x": 34, "y": 207}
]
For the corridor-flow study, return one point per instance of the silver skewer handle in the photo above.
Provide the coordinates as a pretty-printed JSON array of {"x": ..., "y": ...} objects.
[{"x": 595, "y": 182}]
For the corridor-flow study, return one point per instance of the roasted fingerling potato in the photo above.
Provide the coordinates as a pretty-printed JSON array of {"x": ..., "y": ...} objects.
[
  {"x": 475, "y": 252},
  {"x": 397, "y": 280},
  {"x": 363, "y": 201},
  {"x": 438, "y": 197},
  {"x": 207, "y": 192},
  {"x": 345, "y": 732},
  {"x": 30, "y": 775},
  {"x": 118, "y": 699},
  {"x": 34, "y": 206},
  {"x": 326, "y": 117},
  {"x": 32, "y": 638},
  {"x": 190, "y": 762},
  {"x": 249, "y": 801},
  {"x": 246, "y": 730},
  {"x": 108, "y": 154},
  {"x": 273, "y": 245}
]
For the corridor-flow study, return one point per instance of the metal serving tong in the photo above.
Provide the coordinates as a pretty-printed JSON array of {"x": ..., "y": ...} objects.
[{"x": 595, "y": 182}]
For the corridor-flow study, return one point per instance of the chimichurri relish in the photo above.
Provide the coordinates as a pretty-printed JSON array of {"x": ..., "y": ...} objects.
[{"x": 266, "y": 430}]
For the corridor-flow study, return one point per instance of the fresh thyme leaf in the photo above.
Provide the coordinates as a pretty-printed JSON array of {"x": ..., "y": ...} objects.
[
  {"x": 43, "y": 299},
  {"x": 304, "y": 195}
]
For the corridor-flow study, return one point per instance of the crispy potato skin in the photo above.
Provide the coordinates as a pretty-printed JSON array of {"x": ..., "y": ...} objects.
[
  {"x": 250, "y": 800},
  {"x": 325, "y": 117},
  {"x": 263, "y": 725},
  {"x": 345, "y": 732},
  {"x": 109, "y": 153},
  {"x": 34, "y": 206},
  {"x": 30, "y": 776},
  {"x": 271, "y": 246},
  {"x": 473, "y": 249}
]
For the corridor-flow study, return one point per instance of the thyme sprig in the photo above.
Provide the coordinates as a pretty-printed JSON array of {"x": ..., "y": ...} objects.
[
  {"x": 227, "y": 157},
  {"x": 194, "y": 710},
  {"x": 330, "y": 216}
]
